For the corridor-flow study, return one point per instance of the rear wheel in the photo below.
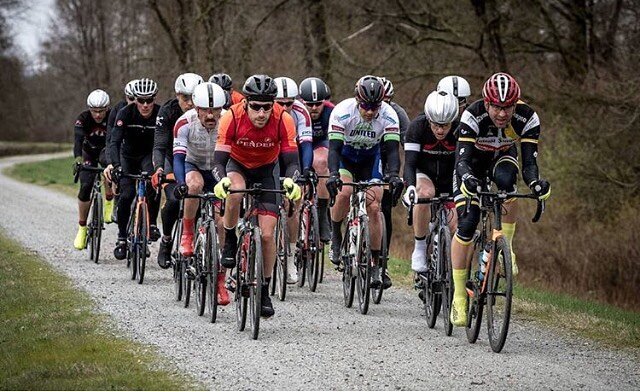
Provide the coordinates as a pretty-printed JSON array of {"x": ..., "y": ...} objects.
[
  {"x": 499, "y": 295},
  {"x": 313, "y": 249},
  {"x": 142, "y": 242},
  {"x": 256, "y": 279},
  {"x": 240, "y": 298},
  {"x": 364, "y": 265},
  {"x": 444, "y": 257},
  {"x": 376, "y": 293},
  {"x": 176, "y": 259}
]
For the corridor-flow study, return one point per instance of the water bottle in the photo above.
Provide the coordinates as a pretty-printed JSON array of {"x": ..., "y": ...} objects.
[
  {"x": 353, "y": 237},
  {"x": 483, "y": 260}
]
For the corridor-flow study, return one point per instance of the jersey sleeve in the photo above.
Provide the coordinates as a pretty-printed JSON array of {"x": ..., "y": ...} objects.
[
  {"x": 181, "y": 136},
  {"x": 161, "y": 138},
  {"x": 287, "y": 133},
  {"x": 117, "y": 135},
  {"x": 226, "y": 132},
  {"x": 391, "y": 130},
  {"x": 303, "y": 123},
  {"x": 78, "y": 138},
  {"x": 337, "y": 125},
  {"x": 412, "y": 148},
  {"x": 469, "y": 128}
]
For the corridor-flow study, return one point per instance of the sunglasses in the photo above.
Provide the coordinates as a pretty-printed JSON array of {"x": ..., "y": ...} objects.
[
  {"x": 285, "y": 103},
  {"x": 369, "y": 106},
  {"x": 145, "y": 101},
  {"x": 314, "y": 104},
  {"x": 258, "y": 106}
]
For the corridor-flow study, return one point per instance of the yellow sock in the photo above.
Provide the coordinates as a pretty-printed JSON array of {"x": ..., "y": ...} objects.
[
  {"x": 459, "y": 281},
  {"x": 509, "y": 230}
]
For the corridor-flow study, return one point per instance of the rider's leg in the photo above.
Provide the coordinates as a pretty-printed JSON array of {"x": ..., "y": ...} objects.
[
  {"x": 195, "y": 183},
  {"x": 230, "y": 219},
  {"x": 320, "y": 165},
  {"x": 505, "y": 175},
  {"x": 421, "y": 219},
  {"x": 338, "y": 213}
]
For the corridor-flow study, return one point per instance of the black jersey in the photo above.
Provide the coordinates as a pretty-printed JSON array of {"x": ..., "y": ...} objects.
[
  {"x": 111, "y": 119},
  {"x": 169, "y": 113},
  {"x": 132, "y": 134},
  {"x": 480, "y": 141},
  {"x": 89, "y": 136},
  {"x": 424, "y": 152},
  {"x": 403, "y": 118},
  {"x": 320, "y": 126}
]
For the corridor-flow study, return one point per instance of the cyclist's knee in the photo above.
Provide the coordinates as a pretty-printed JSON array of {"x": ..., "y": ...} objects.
[
  {"x": 468, "y": 222},
  {"x": 426, "y": 191},
  {"x": 84, "y": 194},
  {"x": 506, "y": 176},
  {"x": 320, "y": 164}
]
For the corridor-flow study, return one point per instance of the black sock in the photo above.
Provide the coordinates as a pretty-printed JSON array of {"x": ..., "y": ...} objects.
[{"x": 337, "y": 231}]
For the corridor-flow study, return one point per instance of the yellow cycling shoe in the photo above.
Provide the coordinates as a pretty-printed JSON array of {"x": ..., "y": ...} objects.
[
  {"x": 108, "y": 211},
  {"x": 459, "y": 312},
  {"x": 81, "y": 238}
]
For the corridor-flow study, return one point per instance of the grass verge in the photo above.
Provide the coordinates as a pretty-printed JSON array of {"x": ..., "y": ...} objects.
[
  {"x": 51, "y": 339},
  {"x": 26, "y": 148},
  {"x": 54, "y": 173}
]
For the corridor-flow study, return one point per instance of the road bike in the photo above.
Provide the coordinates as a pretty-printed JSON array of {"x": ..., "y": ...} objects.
[
  {"x": 308, "y": 244},
  {"x": 95, "y": 223}
]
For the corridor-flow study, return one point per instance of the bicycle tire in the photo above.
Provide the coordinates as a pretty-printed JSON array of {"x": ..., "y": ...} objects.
[
  {"x": 348, "y": 280},
  {"x": 313, "y": 247},
  {"x": 142, "y": 241},
  {"x": 130, "y": 250},
  {"x": 214, "y": 268},
  {"x": 475, "y": 305},
  {"x": 279, "y": 279},
  {"x": 432, "y": 300},
  {"x": 365, "y": 263},
  {"x": 301, "y": 256},
  {"x": 187, "y": 283},
  {"x": 90, "y": 243},
  {"x": 376, "y": 293},
  {"x": 500, "y": 295},
  {"x": 176, "y": 259},
  {"x": 444, "y": 255},
  {"x": 256, "y": 278},
  {"x": 241, "y": 300},
  {"x": 200, "y": 282},
  {"x": 95, "y": 230},
  {"x": 322, "y": 255}
]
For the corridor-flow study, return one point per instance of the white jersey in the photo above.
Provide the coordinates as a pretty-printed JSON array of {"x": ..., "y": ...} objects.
[
  {"x": 361, "y": 137},
  {"x": 302, "y": 119},
  {"x": 194, "y": 140}
]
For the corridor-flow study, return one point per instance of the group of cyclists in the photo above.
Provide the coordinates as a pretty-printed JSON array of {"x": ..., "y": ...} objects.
[{"x": 211, "y": 138}]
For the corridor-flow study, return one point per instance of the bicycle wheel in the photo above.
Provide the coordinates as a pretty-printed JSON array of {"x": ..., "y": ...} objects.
[
  {"x": 376, "y": 292},
  {"x": 256, "y": 280},
  {"x": 499, "y": 295},
  {"x": 176, "y": 260},
  {"x": 476, "y": 303},
  {"x": 186, "y": 282},
  {"x": 313, "y": 249},
  {"x": 279, "y": 284},
  {"x": 446, "y": 285},
  {"x": 322, "y": 253},
  {"x": 364, "y": 262},
  {"x": 200, "y": 255},
  {"x": 431, "y": 285},
  {"x": 213, "y": 268},
  {"x": 95, "y": 227},
  {"x": 240, "y": 298},
  {"x": 131, "y": 263},
  {"x": 142, "y": 241},
  {"x": 348, "y": 280}
]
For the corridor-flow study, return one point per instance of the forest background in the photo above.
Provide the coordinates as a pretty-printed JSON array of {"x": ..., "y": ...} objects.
[{"x": 576, "y": 62}]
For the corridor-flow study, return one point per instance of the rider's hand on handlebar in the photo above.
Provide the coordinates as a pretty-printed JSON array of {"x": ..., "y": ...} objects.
[
  {"x": 107, "y": 172},
  {"x": 541, "y": 188},
  {"x": 469, "y": 187},
  {"x": 156, "y": 177},
  {"x": 334, "y": 183},
  {"x": 221, "y": 190},
  {"x": 292, "y": 189},
  {"x": 181, "y": 191},
  {"x": 410, "y": 196},
  {"x": 397, "y": 186}
]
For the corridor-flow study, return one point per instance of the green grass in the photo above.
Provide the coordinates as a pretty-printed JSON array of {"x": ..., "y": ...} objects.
[
  {"x": 55, "y": 173},
  {"x": 50, "y": 338},
  {"x": 25, "y": 148}
]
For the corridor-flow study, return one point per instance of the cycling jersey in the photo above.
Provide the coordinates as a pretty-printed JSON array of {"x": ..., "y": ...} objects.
[
  {"x": 255, "y": 147},
  {"x": 481, "y": 141},
  {"x": 192, "y": 143},
  {"x": 90, "y": 136},
  {"x": 163, "y": 136},
  {"x": 111, "y": 120},
  {"x": 320, "y": 127},
  {"x": 403, "y": 119},
  {"x": 426, "y": 154},
  {"x": 357, "y": 140},
  {"x": 302, "y": 120},
  {"x": 236, "y": 97},
  {"x": 132, "y": 134}
]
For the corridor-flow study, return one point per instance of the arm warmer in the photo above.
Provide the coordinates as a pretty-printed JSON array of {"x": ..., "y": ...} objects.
[
  {"x": 178, "y": 167},
  {"x": 463, "y": 166},
  {"x": 391, "y": 150},
  {"x": 335, "y": 153},
  {"x": 306, "y": 152},
  {"x": 529, "y": 163}
]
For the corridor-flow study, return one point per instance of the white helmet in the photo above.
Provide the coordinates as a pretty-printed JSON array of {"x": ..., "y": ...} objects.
[
  {"x": 98, "y": 99},
  {"x": 287, "y": 88},
  {"x": 209, "y": 95},
  {"x": 128, "y": 89},
  {"x": 186, "y": 82},
  {"x": 388, "y": 87},
  {"x": 441, "y": 107},
  {"x": 145, "y": 88},
  {"x": 455, "y": 85}
]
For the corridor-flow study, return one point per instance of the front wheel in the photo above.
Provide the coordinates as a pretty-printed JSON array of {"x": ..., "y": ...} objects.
[
  {"x": 364, "y": 262},
  {"x": 348, "y": 280},
  {"x": 176, "y": 261},
  {"x": 95, "y": 229},
  {"x": 241, "y": 295},
  {"x": 279, "y": 280},
  {"x": 142, "y": 241},
  {"x": 256, "y": 279},
  {"x": 499, "y": 294},
  {"x": 213, "y": 268},
  {"x": 201, "y": 256},
  {"x": 476, "y": 302}
]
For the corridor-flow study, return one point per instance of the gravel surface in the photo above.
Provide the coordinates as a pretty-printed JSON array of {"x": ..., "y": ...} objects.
[{"x": 313, "y": 340}]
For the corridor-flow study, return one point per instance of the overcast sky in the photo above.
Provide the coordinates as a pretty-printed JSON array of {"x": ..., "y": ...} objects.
[{"x": 32, "y": 26}]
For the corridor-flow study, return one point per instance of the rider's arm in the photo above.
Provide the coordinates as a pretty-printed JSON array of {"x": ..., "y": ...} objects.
[
  {"x": 117, "y": 135},
  {"x": 288, "y": 146},
  {"x": 466, "y": 143},
  {"x": 305, "y": 135},
  {"x": 529, "y": 147},
  {"x": 78, "y": 139},
  {"x": 224, "y": 141},
  {"x": 403, "y": 119},
  {"x": 161, "y": 138},
  {"x": 412, "y": 148},
  {"x": 391, "y": 141},
  {"x": 180, "y": 142},
  {"x": 336, "y": 142}
]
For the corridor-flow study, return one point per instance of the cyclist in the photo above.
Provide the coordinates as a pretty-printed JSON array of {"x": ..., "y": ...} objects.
[
  {"x": 314, "y": 93},
  {"x": 286, "y": 97},
  {"x": 358, "y": 128},
  {"x": 252, "y": 136},
  {"x": 224, "y": 80},
  {"x": 429, "y": 158},
  {"x": 193, "y": 150},
  {"x": 88, "y": 148},
  {"x": 131, "y": 150},
  {"x": 486, "y": 146},
  {"x": 387, "y": 204},
  {"x": 457, "y": 86},
  {"x": 163, "y": 156}
]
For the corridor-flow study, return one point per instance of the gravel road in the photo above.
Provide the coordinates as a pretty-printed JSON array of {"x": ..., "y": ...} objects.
[{"x": 313, "y": 340}]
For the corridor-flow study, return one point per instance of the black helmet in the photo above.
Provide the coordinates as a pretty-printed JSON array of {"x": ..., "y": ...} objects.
[
  {"x": 260, "y": 88},
  {"x": 314, "y": 90},
  {"x": 221, "y": 79},
  {"x": 369, "y": 89}
]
